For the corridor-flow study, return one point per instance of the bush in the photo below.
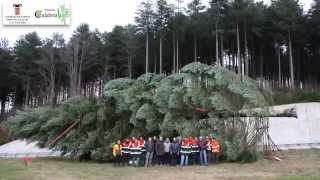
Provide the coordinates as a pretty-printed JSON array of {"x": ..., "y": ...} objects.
[
  {"x": 3, "y": 134},
  {"x": 248, "y": 156}
]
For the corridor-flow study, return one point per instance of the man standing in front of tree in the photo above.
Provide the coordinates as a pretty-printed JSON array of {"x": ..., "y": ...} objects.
[
  {"x": 117, "y": 153},
  {"x": 149, "y": 149},
  {"x": 202, "y": 151},
  {"x": 160, "y": 151},
  {"x": 185, "y": 151}
]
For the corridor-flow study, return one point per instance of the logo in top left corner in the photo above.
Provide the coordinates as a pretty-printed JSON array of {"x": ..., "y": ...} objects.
[{"x": 17, "y": 9}]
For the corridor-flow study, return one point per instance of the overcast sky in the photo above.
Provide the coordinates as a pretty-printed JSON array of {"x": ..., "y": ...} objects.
[{"x": 100, "y": 14}]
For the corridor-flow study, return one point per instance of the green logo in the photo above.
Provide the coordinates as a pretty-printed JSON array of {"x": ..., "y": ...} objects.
[{"x": 63, "y": 13}]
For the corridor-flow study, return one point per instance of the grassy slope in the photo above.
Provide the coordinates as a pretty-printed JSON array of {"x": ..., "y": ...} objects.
[
  {"x": 298, "y": 96},
  {"x": 296, "y": 165}
]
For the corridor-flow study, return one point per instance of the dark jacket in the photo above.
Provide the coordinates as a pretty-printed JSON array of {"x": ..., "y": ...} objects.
[
  {"x": 202, "y": 145},
  {"x": 159, "y": 148},
  {"x": 175, "y": 148},
  {"x": 149, "y": 146}
]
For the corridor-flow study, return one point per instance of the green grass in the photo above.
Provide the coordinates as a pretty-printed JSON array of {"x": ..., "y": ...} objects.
[
  {"x": 295, "y": 165},
  {"x": 299, "y": 96},
  {"x": 299, "y": 178}
]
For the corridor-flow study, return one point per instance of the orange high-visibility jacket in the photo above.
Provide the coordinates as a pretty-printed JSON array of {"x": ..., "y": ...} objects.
[
  {"x": 141, "y": 142},
  {"x": 215, "y": 146}
]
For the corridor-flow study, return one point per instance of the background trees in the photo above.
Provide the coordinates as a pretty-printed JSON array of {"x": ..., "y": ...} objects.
[{"x": 276, "y": 44}]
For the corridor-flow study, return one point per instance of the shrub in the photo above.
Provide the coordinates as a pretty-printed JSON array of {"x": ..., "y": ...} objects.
[
  {"x": 3, "y": 134},
  {"x": 248, "y": 156}
]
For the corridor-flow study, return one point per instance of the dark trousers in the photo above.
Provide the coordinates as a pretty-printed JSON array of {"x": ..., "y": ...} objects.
[
  {"x": 174, "y": 159},
  {"x": 117, "y": 160},
  {"x": 209, "y": 155},
  {"x": 167, "y": 158},
  {"x": 160, "y": 159},
  {"x": 154, "y": 159},
  {"x": 215, "y": 157},
  {"x": 194, "y": 159},
  {"x": 126, "y": 158}
]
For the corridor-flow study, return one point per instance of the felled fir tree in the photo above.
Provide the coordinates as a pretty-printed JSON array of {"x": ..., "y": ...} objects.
[{"x": 200, "y": 100}]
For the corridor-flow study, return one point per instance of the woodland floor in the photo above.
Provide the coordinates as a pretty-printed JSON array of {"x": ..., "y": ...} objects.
[{"x": 302, "y": 164}]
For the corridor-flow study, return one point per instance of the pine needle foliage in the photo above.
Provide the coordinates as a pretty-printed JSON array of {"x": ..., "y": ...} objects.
[{"x": 200, "y": 100}]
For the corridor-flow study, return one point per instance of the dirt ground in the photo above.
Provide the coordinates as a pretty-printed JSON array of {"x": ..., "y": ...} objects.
[{"x": 302, "y": 164}]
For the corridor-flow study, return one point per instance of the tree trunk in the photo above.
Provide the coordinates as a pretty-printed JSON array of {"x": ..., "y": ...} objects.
[
  {"x": 195, "y": 48},
  {"x": 73, "y": 69},
  {"x": 261, "y": 63},
  {"x": 160, "y": 54},
  {"x": 147, "y": 51},
  {"x": 177, "y": 62},
  {"x": 253, "y": 63},
  {"x": 246, "y": 56},
  {"x": 130, "y": 64},
  {"x": 222, "y": 52},
  {"x": 279, "y": 67},
  {"x": 292, "y": 85},
  {"x": 3, "y": 103},
  {"x": 52, "y": 87},
  {"x": 238, "y": 51},
  {"x": 174, "y": 56},
  {"x": 27, "y": 97},
  {"x": 217, "y": 45}
]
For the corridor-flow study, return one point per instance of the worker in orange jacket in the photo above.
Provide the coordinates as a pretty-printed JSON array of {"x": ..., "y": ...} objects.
[
  {"x": 117, "y": 153},
  {"x": 215, "y": 148},
  {"x": 193, "y": 141},
  {"x": 125, "y": 151},
  {"x": 135, "y": 151}
]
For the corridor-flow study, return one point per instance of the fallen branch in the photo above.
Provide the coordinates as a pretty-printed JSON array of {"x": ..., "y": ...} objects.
[{"x": 63, "y": 133}]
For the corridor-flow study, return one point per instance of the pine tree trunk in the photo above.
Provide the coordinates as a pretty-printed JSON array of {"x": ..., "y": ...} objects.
[
  {"x": 147, "y": 51},
  {"x": 3, "y": 104},
  {"x": 174, "y": 56},
  {"x": 253, "y": 65},
  {"x": 246, "y": 56},
  {"x": 177, "y": 62},
  {"x": 52, "y": 91},
  {"x": 222, "y": 52},
  {"x": 195, "y": 48},
  {"x": 238, "y": 51},
  {"x": 130, "y": 64},
  {"x": 291, "y": 62},
  {"x": 261, "y": 63},
  {"x": 217, "y": 45},
  {"x": 160, "y": 54},
  {"x": 155, "y": 65},
  {"x": 27, "y": 95},
  {"x": 279, "y": 67}
]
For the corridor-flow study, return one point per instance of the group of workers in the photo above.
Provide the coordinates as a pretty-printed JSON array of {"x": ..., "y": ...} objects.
[{"x": 159, "y": 151}]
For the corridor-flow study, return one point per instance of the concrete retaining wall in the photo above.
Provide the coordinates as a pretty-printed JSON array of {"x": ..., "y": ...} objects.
[{"x": 297, "y": 133}]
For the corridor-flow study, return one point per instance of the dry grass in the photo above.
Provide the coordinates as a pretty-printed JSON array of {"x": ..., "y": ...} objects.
[{"x": 297, "y": 165}]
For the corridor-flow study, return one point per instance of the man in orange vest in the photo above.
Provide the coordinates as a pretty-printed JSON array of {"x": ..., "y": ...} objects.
[
  {"x": 135, "y": 151},
  {"x": 215, "y": 147},
  {"x": 125, "y": 151},
  {"x": 193, "y": 155},
  {"x": 117, "y": 153}
]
